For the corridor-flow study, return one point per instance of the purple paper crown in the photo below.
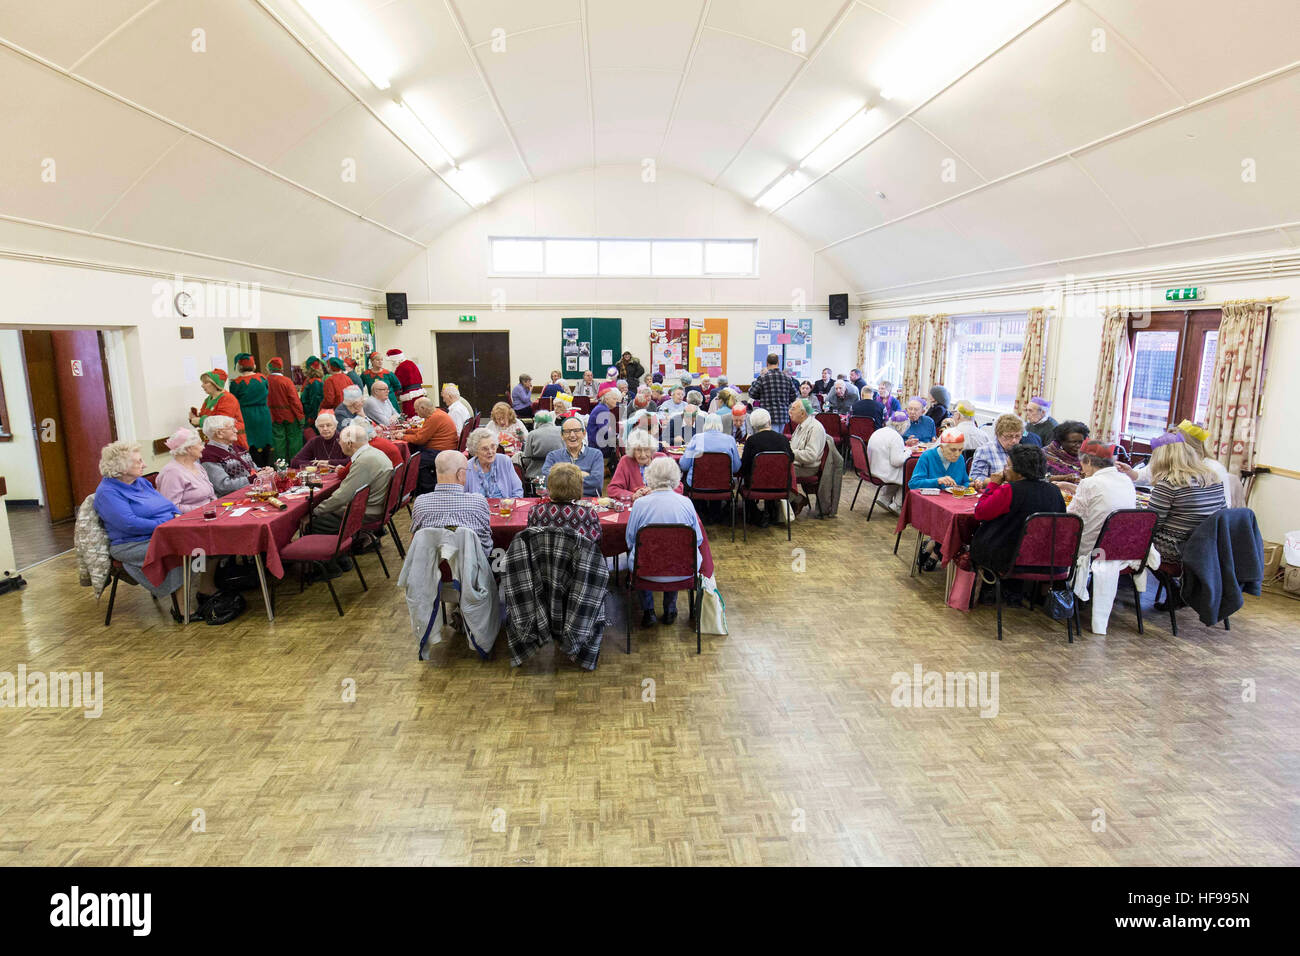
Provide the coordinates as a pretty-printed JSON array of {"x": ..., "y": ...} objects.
[
  {"x": 1169, "y": 438},
  {"x": 917, "y": 398},
  {"x": 1040, "y": 402},
  {"x": 898, "y": 417}
]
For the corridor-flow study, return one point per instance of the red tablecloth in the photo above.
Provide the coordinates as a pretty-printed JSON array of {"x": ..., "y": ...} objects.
[
  {"x": 613, "y": 531},
  {"x": 943, "y": 517},
  {"x": 256, "y": 532}
]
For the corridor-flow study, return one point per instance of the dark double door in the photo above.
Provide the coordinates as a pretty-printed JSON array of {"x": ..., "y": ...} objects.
[{"x": 478, "y": 363}]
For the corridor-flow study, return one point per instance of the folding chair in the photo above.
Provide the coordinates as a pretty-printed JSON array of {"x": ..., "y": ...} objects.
[
  {"x": 771, "y": 479},
  {"x": 711, "y": 480},
  {"x": 666, "y": 550},
  {"x": 1046, "y": 550},
  {"x": 319, "y": 549}
]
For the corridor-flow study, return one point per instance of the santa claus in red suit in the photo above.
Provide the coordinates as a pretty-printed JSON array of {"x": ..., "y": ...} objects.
[{"x": 409, "y": 377}]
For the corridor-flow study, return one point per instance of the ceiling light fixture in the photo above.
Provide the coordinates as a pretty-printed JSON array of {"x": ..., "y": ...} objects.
[
  {"x": 354, "y": 37},
  {"x": 407, "y": 109},
  {"x": 782, "y": 189},
  {"x": 845, "y": 140},
  {"x": 470, "y": 186}
]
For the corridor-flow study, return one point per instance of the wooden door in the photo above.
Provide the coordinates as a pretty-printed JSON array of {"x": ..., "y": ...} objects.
[
  {"x": 478, "y": 363},
  {"x": 47, "y": 425}
]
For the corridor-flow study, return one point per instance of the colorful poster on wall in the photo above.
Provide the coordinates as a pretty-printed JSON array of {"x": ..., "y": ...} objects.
[
  {"x": 346, "y": 338},
  {"x": 790, "y": 339}
]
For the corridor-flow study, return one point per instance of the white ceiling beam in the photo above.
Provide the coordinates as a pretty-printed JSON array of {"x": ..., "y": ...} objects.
[
  {"x": 812, "y": 55},
  {"x": 686, "y": 72},
  {"x": 586, "y": 63},
  {"x": 233, "y": 153},
  {"x": 459, "y": 24},
  {"x": 1070, "y": 154}
]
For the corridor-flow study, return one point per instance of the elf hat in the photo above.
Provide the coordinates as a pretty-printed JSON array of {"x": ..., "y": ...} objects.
[
  {"x": 244, "y": 361},
  {"x": 335, "y": 363},
  {"x": 313, "y": 361},
  {"x": 217, "y": 377},
  {"x": 276, "y": 364}
]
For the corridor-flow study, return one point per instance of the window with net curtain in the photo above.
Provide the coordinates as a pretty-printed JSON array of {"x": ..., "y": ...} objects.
[
  {"x": 984, "y": 358},
  {"x": 886, "y": 351}
]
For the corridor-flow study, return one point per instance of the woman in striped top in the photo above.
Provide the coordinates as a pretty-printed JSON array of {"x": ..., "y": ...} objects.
[{"x": 1186, "y": 492}]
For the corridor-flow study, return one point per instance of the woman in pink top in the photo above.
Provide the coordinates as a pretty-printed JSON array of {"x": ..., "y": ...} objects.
[
  {"x": 629, "y": 476},
  {"x": 183, "y": 481}
]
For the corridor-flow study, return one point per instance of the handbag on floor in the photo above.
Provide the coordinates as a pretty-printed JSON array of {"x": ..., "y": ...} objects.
[
  {"x": 224, "y": 607},
  {"x": 962, "y": 595},
  {"x": 713, "y": 610},
  {"x": 1059, "y": 604}
]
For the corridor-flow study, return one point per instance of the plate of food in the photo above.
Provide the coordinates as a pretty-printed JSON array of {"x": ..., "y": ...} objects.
[{"x": 957, "y": 491}]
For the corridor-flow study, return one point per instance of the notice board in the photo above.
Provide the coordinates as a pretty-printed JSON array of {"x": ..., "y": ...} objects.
[
  {"x": 346, "y": 338},
  {"x": 679, "y": 345},
  {"x": 589, "y": 344}
]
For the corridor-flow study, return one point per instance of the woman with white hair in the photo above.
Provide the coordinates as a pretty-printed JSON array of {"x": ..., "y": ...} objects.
[
  {"x": 661, "y": 505},
  {"x": 711, "y": 437},
  {"x": 629, "y": 475},
  {"x": 353, "y": 404},
  {"x": 229, "y": 466},
  {"x": 886, "y": 454},
  {"x": 183, "y": 481},
  {"x": 130, "y": 509},
  {"x": 490, "y": 474},
  {"x": 324, "y": 447},
  {"x": 378, "y": 407}
]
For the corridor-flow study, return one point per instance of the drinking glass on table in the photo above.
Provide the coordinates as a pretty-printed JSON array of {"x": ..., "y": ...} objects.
[{"x": 506, "y": 507}]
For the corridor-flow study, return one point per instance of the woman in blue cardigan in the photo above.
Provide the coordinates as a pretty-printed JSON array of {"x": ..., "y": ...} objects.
[
  {"x": 490, "y": 474},
  {"x": 130, "y": 509},
  {"x": 941, "y": 467}
]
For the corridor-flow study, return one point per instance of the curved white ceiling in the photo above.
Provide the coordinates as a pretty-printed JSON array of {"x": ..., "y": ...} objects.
[{"x": 1041, "y": 135}]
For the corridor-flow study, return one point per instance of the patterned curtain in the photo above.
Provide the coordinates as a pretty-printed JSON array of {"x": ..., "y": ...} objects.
[
  {"x": 1235, "y": 391},
  {"x": 1112, "y": 375},
  {"x": 938, "y": 348},
  {"x": 912, "y": 359},
  {"x": 864, "y": 329},
  {"x": 1030, "y": 382}
]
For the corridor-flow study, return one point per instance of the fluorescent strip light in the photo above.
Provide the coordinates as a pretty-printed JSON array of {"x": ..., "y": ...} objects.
[
  {"x": 850, "y": 137},
  {"x": 354, "y": 36},
  {"x": 951, "y": 38},
  {"x": 470, "y": 186},
  {"x": 781, "y": 190},
  {"x": 405, "y": 107}
]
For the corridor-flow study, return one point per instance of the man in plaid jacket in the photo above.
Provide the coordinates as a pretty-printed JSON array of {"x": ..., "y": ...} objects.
[{"x": 776, "y": 391}]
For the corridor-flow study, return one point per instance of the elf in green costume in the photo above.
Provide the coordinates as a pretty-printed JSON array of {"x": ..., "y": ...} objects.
[
  {"x": 313, "y": 390},
  {"x": 251, "y": 388},
  {"x": 377, "y": 373}
]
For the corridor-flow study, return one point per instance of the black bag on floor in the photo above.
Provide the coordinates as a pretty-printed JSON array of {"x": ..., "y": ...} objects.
[
  {"x": 235, "y": 575},
  {"x": 224, "y": 607},
  {"x": 1059, "y": 604}
]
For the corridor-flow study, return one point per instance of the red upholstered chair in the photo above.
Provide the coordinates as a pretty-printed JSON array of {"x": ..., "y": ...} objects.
[
  {"x": 542, "y": 404},
  {"x": 152, "y": 478},
  {"x": 665, "y": 550},
  {"x": 410, "y": 480},
  {"x": 464, "y": 434},
  {"x": 861, "y": 426},
  {"x": 771, "y": 479},
  {"x": 405, "y": 449},
  {"x": 909, "y": 466},
  {"x": 318, "y": 549},
  {"x": 788, "y": 430},
  {"x": 862, "y": 467},
  {"x": 834, "y": 426},
  {"x": 392, "y": 502},
  {"x": 1126, "y": 536},
  {"x": 810, "y": 483},
  {"x": 711, "y": 480},
  {"x": 523, "y": 479},
  {"x": 1046, "y": 550},
  {"x": 582, "y": 405}
]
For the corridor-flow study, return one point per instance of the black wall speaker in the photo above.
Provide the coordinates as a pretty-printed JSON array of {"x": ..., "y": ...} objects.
[
  {"x": 840, "y": 307},
  {"x": 396, "y": 306}
]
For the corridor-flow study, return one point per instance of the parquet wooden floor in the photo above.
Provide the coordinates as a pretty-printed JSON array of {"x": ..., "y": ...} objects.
[{"x": 778, "y": 745}]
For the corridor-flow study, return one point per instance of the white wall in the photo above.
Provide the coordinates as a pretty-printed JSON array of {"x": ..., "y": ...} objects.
[
  {"x": 18, "y": 462},
  {"x": 1076, "y": 341},
  {"x": 453, "y": 273}
]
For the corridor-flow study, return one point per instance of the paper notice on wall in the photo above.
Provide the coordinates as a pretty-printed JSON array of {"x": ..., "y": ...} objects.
[
  {"x": 710, "y": 359},
  {"x": 760, "y": 325},
  {"x": 714, "y": 369},
  {"x": 657, "y": 323},
  {"x": 758, "y": 369},
  {"x": 571, "y": 363},
  {"x": 676, "y": 323},
  {"x": 783, "y": 339},
  {"x": 763, "y": 338},
  {"x": 190, "y": 369},
  {"x": 607, "y": 357},
  {"x": 571, "y": 334},
  {"x": 584, "y": 363},
  {"x": 697, "y": 323},
  {"x": 710, "y": 340},
  {"x": 797, "y": 352}
]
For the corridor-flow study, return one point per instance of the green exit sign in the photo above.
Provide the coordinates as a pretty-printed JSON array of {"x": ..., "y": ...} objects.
[
  {"x": 469, "y": 318},
  {"x": 1179, "y": 295}
]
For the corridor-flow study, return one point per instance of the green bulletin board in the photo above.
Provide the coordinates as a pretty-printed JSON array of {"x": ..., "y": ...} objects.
[{"x": 586, "y": 343}]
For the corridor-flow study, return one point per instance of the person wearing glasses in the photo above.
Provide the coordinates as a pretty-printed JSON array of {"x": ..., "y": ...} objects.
[{"x": 576, "y": 452}]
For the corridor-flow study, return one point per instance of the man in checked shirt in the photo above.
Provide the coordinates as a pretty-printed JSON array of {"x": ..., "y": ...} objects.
[{"x": 776, "y": 391}]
